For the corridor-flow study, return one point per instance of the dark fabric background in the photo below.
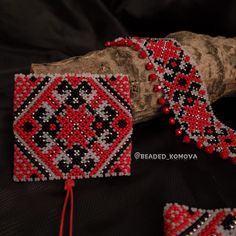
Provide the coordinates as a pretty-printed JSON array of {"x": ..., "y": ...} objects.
[{"x": 44, "y": 31}]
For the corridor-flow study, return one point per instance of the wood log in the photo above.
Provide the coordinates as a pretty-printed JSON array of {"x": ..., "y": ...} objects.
[{"x": 215, "y": 57}]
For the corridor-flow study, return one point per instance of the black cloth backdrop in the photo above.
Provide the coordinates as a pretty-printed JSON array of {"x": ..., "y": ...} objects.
[{"x": 45, "y": 31}]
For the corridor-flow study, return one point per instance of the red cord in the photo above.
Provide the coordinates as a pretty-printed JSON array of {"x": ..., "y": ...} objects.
[
  {"x": 71, "y": 211},
  {"x": 69, "y": 184}
]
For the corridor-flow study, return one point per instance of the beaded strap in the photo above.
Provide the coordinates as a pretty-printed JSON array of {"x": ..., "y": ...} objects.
[
  {"x": 181, "y": 220},
  {"x": 174, "y": 73},
  {"x": 71, "y": 126}
]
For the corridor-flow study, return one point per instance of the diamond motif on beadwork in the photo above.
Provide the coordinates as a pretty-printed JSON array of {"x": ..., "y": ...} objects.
[{"x": 71, "y": 126}]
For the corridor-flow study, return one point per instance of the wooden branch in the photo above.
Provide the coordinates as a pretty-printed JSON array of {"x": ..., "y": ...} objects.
[{"x": 215, "y": 57}]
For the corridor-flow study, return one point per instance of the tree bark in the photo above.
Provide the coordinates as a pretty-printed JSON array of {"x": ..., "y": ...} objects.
[{"x": 215, "y": 57}]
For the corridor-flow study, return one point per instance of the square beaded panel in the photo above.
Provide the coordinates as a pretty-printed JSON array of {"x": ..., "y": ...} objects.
[{"x": 71, "y": 126}]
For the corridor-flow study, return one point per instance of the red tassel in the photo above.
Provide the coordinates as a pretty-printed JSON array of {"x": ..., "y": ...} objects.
[{"x": 69, "y": 184}]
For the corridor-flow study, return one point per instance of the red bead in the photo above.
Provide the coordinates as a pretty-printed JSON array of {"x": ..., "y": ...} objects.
[
  {"x": 186, "y": 58},
  {"x": 209, "y": 149},
  {"x": 129, "y": 43},
  {"x": 107, "y": 44},
  {"x": 157, "y": 88},
  {"x": 160, "y": 69},
  {"x": 136, "y": 47},
  {"x": 174, "y": 64},
  {"x": 143, "y": 54},
  {"x": 149, "y": 66},
  {"x": 209, "y": 131},
  {"x": 202, "y": 92},
  {"x": 189, "y": 100},
  {"x": 178, "y": 132},
  {"x": 52, "y": 127},
  {"x": 199, "y": 145},
  {"x": 121, "y": 42},
  {"x": 224, "y": 154},
  {"x": 165, "y": 110},
  {"x": 171, "y": 120},
  {"x": 161, "y": 100},
  {"x": 152, "y": 77},
  {"x": 186, "y": 139},
  {"x": 99, "y": 125}
]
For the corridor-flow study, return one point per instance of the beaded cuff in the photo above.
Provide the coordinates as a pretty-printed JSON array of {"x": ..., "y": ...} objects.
[
  {"x": 71, "y": 126},
  {"x": 183, "y": 220},
  {"x": 175, "y": 74}
]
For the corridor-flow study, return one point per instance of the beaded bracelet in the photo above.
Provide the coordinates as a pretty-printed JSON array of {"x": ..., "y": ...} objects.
[
  {"x": 71, "y": 126},
  {"x": 174, "y": 73},
  {"x": 185, "y": 221}
]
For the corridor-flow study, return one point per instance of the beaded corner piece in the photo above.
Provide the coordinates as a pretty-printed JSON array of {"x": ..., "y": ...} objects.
[
  {"x": 175, "y": 74},
  {"x": 185, "y": 221},
  {"x": 71, "y": 126}
]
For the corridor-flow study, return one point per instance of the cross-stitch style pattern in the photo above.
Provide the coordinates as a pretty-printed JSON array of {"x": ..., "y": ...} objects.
[
  {"x": 71, "y": 126},
  {"x": 181, "y": 220},
  {"x": 184, "y": 94}
]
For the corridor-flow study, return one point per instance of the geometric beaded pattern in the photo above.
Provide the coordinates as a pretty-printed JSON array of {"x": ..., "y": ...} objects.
[
  {"x": 186, "y": 93},
  {"x": 71, "y": 126},
  {"x": 181, "y": 220}
]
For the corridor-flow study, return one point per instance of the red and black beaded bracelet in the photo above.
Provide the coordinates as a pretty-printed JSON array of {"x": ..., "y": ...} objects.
[
  {"x": 184, "y": 94},
  {"x": 181, "y": 220}
]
